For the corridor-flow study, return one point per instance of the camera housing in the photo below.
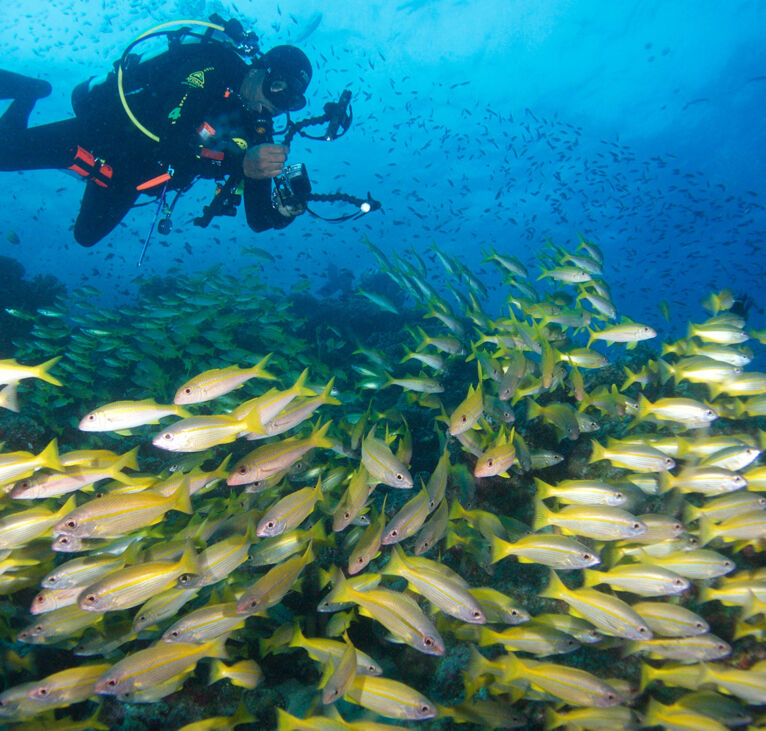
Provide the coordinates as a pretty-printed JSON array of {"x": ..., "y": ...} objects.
[{"x": 292, "y": 189}]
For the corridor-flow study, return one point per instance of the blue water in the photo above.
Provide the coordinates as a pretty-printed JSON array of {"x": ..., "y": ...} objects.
[{"x": 638, "y": 124}]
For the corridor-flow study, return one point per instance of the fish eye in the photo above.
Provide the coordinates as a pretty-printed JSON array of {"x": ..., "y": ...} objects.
[
  {"x": 463, "y": 418},
  {"x": 679, "y": 582},
  {"x": 242, "y": 470},
  {"x": 91, "y": 417},
  {"x": 187, "y": 390},
  {"x": 39, "y": 598},
  {"x": 71, "y": 524},
  {"x": 253, "y": 602},
  {"x": 636, "y": 526},
  {"x": 424, "y": 708},
  {"x": 618, "y": 496},
  {"x": 167, "y": 435},
  {"x": 490, "y": 462},
  {"x": 610, "y": 696},
  {"x": 514, "y": 613},
  {"x": 394, "y": 533},
  {"x": 90, "y": 598},
  {"x": 642, "y": 630},
  {"x": 399, "y": 476},
  {"x": 270, "y": 524},
  {"x": 476, "y": 614},
  {"x": 174, "y": 633},
  {"x": 347, "y": 515},
  {"x": 64, "y": 540},
  {"x": 677, "y": 526},
  {"x": 111, "y": 683},
  {"x": 727, "y": 564},
  {"x": 586, "y": 557},
  {"x": 141, "y": 618},
  {"x": 699, "y": 625},
  {"x": 428, "y": 641},
  {"x": 372, "y": 668},
  {"x": 185, "y": 578},
  {"x": 42, "y": 692}
]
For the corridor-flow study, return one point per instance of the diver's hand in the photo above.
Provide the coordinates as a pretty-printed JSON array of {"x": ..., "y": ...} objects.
[
  {"x": 292, "y": 211},
  {"x": 264, "y": 161}
]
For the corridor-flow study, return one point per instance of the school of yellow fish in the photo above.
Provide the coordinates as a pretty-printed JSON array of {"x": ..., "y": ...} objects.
[{"x": 179, "y": 549}]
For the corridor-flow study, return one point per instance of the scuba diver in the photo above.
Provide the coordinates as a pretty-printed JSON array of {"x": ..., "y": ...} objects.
[{"x": 200, "y": 109}]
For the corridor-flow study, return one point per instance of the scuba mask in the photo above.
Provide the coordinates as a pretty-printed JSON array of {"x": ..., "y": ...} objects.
[{"x": 288, "y": 73}]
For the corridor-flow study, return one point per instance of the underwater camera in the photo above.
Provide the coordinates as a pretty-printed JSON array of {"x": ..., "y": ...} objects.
[{"x": 291, "y": 190}]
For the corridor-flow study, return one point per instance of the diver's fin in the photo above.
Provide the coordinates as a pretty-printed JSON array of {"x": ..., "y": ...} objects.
[{"x": 17, "y": 86}]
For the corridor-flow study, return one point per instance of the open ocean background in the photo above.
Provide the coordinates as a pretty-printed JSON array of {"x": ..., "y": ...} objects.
[{"x": 638, "y": 124}]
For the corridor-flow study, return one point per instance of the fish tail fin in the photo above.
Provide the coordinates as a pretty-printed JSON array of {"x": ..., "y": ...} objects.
[
  {"x": 49, "y": 457},
  {"x": 126, "y": 461},
  {"x": 217, "y": 647},
  {"x": 706, "y": 674},
  {"x": 499, "y": 548},
  {"x": 318, "y": 436},
  {"x": 592, "y": 578},
  {"x": 555, "y": 588},
  {"x": 705, "y": 533},
  {"x": 424, "y": 340},
  {"x": 287, "y": 722},
  {"x": 598, "y": 453},
  {"x": 189, "y": 563},
  {"x": 478, "y": 665},
  {"x": 180, "y": 499},
  {"x": 342, "y": 591},
  {"x": 544, "y": 490},
  {"x": 591, "y": 338},
  {"x": 552, "y": 719},
  {"x": 67, "y": 507},
  {"x": 690, "y": 512},
  {"x": 41, "y": 371},
  {"x": 542, "y": 515},
  {"x": 666, "y": 371},
  {"x": 259, "y": 369},
  {"x": 297, "y": 639},
  {"x": 241, "y": 715},
  {"x": 182, "y": 412},
  {"x": 456, "y": 510},
  {"x": 647, "y": 676},
  {"x": 326, "y": 396},
  {"x": 666, "y": 482},
  {"x": 533, "y": 409},
  {"x": 217, "y": 671},
  {"x": 396, "y": 562},
  {"x": 9, "y": 397},
  {"x": 299, "y": 387}
]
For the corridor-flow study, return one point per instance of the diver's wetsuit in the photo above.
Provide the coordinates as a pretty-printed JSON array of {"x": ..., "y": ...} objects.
[{"x": 181, "y": 96}]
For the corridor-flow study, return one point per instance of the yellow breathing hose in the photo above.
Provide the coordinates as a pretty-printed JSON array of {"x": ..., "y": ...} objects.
[{"x": 120, "y": 87}]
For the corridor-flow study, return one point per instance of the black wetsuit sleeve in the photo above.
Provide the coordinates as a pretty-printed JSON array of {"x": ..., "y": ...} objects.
[{"x": 261, "y": 215}]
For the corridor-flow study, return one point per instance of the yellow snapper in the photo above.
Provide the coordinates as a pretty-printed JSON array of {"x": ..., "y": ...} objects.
[
  {"x": 219, "y": 381},
  {"x": 113, "y": 516}
]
